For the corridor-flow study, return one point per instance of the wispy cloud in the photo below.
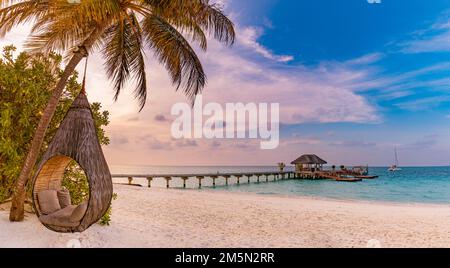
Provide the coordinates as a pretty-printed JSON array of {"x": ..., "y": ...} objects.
[
  {"x": 353, "y": 143},
  {"x": 437, "y": 43},
  {"x": 366, "y": 59},
  {"x": 299, "y": 139},
  {"x": 423, "y": 103},
  {"x": 161, "y": 118},
  {"x": 248, "y": 37},
  {"x": 425, "y": 142},
  {"x": 157, "y": 144},
  {"x": 119, "y": 139},
  {"x": 186, "y": 143},
  {"x": 436, "y": 38}
]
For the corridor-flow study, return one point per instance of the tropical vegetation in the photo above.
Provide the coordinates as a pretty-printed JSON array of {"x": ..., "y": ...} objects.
[
  {"x": 120, "y": 30},
  {"x": 25, "y": 88}
]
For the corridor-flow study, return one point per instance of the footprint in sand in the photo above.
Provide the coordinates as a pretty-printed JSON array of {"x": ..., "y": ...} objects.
[
  {"x": 73, "y": 243},
  {"x": 373, "y": 243}
]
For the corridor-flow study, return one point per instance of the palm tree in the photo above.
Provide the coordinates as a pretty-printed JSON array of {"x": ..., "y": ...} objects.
[
  {"x": 281, "y": 166},
  {"x": 120, "y": 30}
]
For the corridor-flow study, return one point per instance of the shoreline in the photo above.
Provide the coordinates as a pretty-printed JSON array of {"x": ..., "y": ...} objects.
[
  {"x": 222, "y": 189},
  {"x": 155, "y": 217},
  {"x": 331, "y": 199}
]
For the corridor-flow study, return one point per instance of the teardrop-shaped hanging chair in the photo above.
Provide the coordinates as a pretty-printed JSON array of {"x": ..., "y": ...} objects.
[{"x": 76, "y": 139}]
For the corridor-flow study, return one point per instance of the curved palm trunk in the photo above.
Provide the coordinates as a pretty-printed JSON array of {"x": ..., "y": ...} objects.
[{"x": 17, "y": 207}]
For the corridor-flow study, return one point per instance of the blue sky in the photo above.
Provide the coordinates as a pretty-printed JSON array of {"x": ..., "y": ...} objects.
[
  {"x": 403, "y": 45},
  {"x": 340, "y": 30},
  {"x": 353, "y": 81}
]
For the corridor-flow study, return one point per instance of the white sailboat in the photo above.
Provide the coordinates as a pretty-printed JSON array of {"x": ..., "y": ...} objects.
[{"x": 395, "y": 166}]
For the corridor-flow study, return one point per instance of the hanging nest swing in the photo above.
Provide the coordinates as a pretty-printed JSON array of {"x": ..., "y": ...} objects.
[{"x": 76, "y": 139}]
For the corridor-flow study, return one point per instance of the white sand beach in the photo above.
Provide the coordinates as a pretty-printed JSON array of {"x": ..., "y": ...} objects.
[{"x": 144, "y": 217}]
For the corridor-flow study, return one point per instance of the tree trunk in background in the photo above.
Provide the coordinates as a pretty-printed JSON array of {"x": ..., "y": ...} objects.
[{"x": 17, "y": 207}]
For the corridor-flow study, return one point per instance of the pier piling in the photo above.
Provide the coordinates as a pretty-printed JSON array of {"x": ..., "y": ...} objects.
[
  {"x": 184, "y": 181},
  {"x": 214, "y": 180},
  {"x": 200, "y": 178},
  {"x": 226, "y": 179},
  {"x": 168, "y": 179}
]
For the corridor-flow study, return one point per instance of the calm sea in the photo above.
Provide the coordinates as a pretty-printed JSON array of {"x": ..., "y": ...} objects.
[{"x": 410, "y": 185}]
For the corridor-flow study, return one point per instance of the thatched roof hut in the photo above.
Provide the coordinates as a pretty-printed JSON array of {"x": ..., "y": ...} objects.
[
  {"x": 308, "y": 163},
  {"x": 309, "y": 159}
]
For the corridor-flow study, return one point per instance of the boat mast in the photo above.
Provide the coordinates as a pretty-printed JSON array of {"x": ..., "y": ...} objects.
[{"x": 396, "y": 157}]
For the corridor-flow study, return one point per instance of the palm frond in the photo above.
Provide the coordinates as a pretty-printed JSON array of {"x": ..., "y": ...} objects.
[
  {"x": 176, "y": 54},
  {"x": 19, "y": 12},
  {"x": 64, "y": 26},
  {"x": 190, "y": 16},
  {"x": 70, "y": 24},
  {"x": 124, "y": 57},
  {"x": 219, "y": 25},
  {"x": 56, "y": 36}
]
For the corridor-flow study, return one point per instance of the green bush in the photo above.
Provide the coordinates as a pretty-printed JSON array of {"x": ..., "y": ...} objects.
[
  {"x": 75, "y": 180},
  {"x": 106, "y": 219}
]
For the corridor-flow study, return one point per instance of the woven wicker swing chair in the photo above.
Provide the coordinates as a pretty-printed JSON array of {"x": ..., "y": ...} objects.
[{"x": 76, "y": 139}]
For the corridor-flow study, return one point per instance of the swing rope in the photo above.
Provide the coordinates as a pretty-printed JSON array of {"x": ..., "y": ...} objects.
[{"x": 83, "y": 87}]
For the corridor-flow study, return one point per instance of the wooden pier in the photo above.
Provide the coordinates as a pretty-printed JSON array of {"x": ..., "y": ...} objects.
[
  {"x": 344, "y": 176},
  {"x": 214, "y": 177},
  {"x": 339, "y": 178},
  {"x": 307, "y": 167},
  {"x": 246, "y": 178}
]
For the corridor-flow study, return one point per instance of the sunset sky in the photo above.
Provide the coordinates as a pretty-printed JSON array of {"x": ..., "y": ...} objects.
[{"x": 353, "y": 81}]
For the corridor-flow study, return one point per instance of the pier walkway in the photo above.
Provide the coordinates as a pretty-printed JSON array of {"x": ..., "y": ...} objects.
[
  {"x": 246, "y": 177},
  {"x": 260, "y": 176}
]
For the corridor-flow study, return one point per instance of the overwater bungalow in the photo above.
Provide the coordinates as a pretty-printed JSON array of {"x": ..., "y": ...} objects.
[
  {"x": 308, "y": 163},
  {"x": 310, "y": 166}
]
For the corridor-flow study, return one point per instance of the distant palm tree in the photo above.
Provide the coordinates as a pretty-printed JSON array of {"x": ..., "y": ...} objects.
[
  {"x": 120, "y": 29},
  {"x": 281, "y": 166}
]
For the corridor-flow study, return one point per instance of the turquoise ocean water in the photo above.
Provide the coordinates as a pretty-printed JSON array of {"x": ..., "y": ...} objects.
[{"x": 410, "y": 185}]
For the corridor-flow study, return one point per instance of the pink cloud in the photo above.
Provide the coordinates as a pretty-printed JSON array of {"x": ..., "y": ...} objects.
[{"x": 324, "y": 93}]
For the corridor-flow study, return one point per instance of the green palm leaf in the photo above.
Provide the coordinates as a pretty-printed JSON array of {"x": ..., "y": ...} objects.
[
  {"x": 176, "y": 54},
  {"x": 124, "y": 57},
  {"x": 63, "y": 26}
]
